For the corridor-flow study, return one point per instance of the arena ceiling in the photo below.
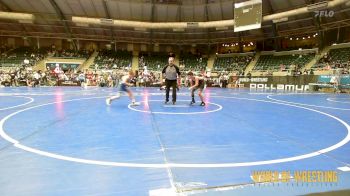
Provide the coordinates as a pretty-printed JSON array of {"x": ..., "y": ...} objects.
[{"x": 53, "y": 18}]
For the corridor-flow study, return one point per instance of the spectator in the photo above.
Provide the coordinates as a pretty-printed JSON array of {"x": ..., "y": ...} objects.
[{"x": 36, "y": 79}]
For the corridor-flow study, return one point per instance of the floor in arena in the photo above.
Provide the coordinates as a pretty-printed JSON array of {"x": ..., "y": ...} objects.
[{"x": 67, "y": 141}]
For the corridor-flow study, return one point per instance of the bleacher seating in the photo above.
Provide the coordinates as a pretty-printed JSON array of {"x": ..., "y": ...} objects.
[
  {"x": 154, "y": 61},
  {"x": 274, "y": 63},
  {"x": 110, "y": 59},
  {"x": 339, "y": 57},
  {"x": 193, "y": 62},
  {"x": 73, "y": 54},
  {"x": 16, "y": 57},
  {"x": 4, "y": 49},
  {"x": 235, "y": 63}
]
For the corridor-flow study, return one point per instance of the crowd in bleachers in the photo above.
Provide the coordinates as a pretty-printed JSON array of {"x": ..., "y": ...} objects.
[
  {"x": 153, "y": 62},
  {"x": 193, "y": 62},
  {"x": 234, "y": 64},
  {"x": 73, "y": 53},
  {"x": 156, "y": 61},
  {"x": 23, "y": 77},
  {"x": 146, "y": 78},
  {"x": 27, "y": 77},
  {"x": 15, "y": 66},
  {"x": 110, "y": 59},
  {"x": 335, "y": 59},
  {"x": 290, "y": 63},
  {"x": 4, "y": 48},
  {"x": 17, "y": 57}
]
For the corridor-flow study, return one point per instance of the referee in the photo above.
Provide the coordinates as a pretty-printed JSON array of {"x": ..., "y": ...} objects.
[{"x": 172, "y": 78}]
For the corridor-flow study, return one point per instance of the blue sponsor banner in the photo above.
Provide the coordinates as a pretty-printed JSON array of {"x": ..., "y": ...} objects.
[{"x": 327, "y": 79}]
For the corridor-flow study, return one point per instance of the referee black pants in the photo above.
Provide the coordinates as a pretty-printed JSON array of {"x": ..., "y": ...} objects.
[{"x": 168, "y": 84}]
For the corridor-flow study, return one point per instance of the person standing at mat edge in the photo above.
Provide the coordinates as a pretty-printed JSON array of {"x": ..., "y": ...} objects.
[
  {"x": 123, "y": 87},
  {"x": 172, "y": 79}
]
